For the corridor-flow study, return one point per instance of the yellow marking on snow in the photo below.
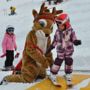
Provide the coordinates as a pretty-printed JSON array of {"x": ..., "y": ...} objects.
[
  {"x": 77, "y": 78},
  {"x": 86, "y": 88},
  {"x": 46, "y": 84}
]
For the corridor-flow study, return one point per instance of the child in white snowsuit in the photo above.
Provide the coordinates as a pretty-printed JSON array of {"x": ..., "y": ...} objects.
[{"x": 64, "y": 39}]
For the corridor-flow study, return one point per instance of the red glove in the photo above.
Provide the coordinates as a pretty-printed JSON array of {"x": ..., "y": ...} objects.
[
  {"x": 3, "y": 55},
  {"x": 17, "y": 55}
]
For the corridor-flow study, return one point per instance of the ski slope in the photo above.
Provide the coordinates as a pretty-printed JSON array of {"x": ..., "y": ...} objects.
[{"x": 79, "y": 13}]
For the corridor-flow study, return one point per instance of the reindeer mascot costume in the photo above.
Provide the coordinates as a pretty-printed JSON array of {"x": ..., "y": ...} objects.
[{"x": 34, "y": 60}]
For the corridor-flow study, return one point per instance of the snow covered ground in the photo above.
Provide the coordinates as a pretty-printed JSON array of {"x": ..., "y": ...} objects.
[{"x": 79, "y": 13}]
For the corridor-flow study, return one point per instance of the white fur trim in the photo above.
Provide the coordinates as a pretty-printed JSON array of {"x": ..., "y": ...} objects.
[{"x": 41, "y": 40}]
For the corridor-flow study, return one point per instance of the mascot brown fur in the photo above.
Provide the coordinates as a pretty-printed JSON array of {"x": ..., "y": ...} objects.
[{"x": 34, "y": 60}]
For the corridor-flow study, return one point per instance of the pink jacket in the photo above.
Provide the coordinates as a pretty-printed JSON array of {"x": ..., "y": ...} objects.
[
  {"x": 9, "y": 42},
  {"x": 64, "y": 40}
]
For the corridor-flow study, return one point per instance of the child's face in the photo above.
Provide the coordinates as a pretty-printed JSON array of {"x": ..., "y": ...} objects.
[
  {"x": 61, "y": 27},
  {"x": 10, "y": 31}
]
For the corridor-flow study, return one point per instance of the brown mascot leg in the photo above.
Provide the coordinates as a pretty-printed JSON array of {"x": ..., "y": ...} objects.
[
  {"x": 27, "y": 75},
  {"x": 42, "y": 73}
]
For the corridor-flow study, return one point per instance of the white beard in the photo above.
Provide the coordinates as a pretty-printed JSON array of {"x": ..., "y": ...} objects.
[{"x": 41, "y": 40}]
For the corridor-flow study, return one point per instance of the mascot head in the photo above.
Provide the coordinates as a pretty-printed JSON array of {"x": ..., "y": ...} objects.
[{"x": 44, "y": 20}]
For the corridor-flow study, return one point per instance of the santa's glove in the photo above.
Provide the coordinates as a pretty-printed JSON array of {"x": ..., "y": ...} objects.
[
  {"x": 49, "y": 49},
  {"x": 3, "y": 55},
  {"x": 17, "y": 55},
  {"x": 77, "y": 42}
]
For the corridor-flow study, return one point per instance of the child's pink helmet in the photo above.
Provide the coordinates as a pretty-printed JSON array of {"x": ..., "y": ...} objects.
[{"x": 63, "y": 18}]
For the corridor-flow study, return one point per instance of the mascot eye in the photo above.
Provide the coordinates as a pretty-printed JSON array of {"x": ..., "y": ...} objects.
[{"x": 43, "y": 22}]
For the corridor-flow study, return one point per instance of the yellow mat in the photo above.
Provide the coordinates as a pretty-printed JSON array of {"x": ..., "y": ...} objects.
[{"x": 46, "y": 84}]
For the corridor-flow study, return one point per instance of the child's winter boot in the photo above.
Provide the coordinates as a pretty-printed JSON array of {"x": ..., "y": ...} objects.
[
  {"x": 52, "y": 77},
  {"x": 68, "y": 78}
]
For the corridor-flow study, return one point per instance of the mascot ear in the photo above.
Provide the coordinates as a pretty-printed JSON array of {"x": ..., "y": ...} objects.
[{"x": 35, "y": 14}]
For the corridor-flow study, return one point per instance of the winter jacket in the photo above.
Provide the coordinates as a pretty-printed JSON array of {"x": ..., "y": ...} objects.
[
  {"x": 64, "y": 40},
  {"x": 9, "y": 42}
]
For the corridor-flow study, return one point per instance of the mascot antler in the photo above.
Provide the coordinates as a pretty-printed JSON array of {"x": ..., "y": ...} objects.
[
  {"x": 42, "y": 8},
  {"x": 55, "y": 12},
  {"x": 45, "y": 13}
]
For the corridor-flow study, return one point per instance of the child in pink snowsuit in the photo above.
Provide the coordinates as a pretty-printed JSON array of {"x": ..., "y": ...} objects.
[
  {"x": 8, "y": 46},
  {"x": 64, "y": 40}
]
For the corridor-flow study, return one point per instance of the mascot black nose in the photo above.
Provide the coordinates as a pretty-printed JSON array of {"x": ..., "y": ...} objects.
[{"x": 46, "y": 35}]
